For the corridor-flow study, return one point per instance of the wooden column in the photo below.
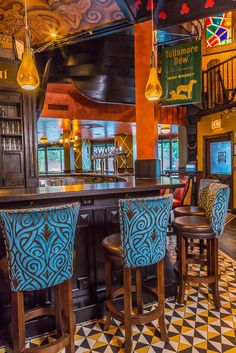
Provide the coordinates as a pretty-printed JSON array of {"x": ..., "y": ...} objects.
[{"x": 146, "y": 164}]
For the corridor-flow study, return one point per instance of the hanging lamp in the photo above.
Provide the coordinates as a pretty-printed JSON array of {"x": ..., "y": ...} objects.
[
  {"x": 27, "y": 76},
  {"x": 153, "y": 91}
]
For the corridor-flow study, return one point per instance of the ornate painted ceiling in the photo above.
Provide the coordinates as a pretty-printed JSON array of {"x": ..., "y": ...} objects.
[
  {"x": 63, "y": 17},
  {"x": 76, "y": 17}
]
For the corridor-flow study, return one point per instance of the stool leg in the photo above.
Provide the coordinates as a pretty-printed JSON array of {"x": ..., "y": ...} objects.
[
  {"x": 161, "y": 299},
  {"x": 68, "y": 315},
  {"x": 127, "y": 309},
  {"x": 214, "y": 264},
  {"x": 182, "y": 268},
  {"x": 57, "y": 308},
  {"x": 139, "y": 297},
  {"x": 108, "y": 286},
  {"x": 18, "y": 322}
]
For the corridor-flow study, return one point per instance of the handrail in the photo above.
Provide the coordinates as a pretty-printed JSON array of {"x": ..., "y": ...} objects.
[
  {"x": 218, "y": 85},
  {"x": 219, "y": 64}
]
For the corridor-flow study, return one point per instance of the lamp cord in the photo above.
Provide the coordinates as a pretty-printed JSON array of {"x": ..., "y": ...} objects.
[
  {"x": 26, "y": 17},
  {"x": 153, "y": 35}
]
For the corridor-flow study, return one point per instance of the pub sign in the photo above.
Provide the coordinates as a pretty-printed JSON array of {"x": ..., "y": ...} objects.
[{"x": 182, "y": 74}]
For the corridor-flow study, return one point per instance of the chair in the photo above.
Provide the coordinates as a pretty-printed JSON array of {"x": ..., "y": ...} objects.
[
  {"x": 142, "y": 242},
  {"x": 202, "y": 201},
  {"x": 208, "y": 228},
  {"x": 182, "y": 196},
  {"x": 39, "y": 245}
]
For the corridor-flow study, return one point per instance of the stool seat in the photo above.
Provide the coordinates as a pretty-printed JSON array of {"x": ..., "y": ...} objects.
[
  {"x": 189, "y": 211},
  {"x": 112, "y": 244},
  {"x": 193, "y": 224}
]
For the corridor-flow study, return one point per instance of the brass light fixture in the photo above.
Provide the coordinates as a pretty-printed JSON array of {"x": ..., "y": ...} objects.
[
  {"x": 27, "y": 76},
  {"x": 165, "y": 129},
  {"x": 153, "y": 91},
  {"x": 43, "y": 139}
]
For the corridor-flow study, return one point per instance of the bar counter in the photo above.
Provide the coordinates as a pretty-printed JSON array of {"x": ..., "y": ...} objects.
[
  {"x": 81, "y": 190},
  {"x": 98, "y": 217}
]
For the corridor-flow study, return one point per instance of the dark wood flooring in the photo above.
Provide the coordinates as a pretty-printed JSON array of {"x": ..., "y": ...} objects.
[{"x": 227, "y": 242}]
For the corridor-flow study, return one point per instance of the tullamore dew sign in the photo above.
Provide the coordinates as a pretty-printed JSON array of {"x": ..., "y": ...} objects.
[{"x": 182, "y": 74}]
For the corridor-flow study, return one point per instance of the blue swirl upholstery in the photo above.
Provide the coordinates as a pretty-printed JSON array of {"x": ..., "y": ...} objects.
[
  {"x": 203, "y": 190},
  {"x": 39, "y": 244},
  {"x": 217, "y": 205},
  {"x": 143, "y": 224}
]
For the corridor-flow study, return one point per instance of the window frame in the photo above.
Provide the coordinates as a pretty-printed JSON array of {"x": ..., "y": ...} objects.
[
  {"x": 46, "y": 147},
  {"x": 169, "y": 137}
]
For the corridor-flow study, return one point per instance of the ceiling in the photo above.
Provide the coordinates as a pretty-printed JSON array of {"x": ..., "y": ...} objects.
[
  {"x": 53, "y": 128},
  {"x": 85, "y": 129},
  {"x": 82, "y": 18}
]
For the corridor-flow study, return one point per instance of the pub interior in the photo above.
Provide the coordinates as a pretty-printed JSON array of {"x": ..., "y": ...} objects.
[{"x": 117, "y": 176}]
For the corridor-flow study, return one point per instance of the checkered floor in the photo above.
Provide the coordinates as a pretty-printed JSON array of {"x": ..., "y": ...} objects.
[{"x": 193, "y": 328}]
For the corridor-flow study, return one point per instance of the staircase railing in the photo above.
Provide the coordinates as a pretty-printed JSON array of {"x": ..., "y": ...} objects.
[{"x": 219, "y": 84}]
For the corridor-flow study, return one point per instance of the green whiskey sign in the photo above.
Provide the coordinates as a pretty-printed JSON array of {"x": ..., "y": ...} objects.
[{"x": 182, "y": 74}]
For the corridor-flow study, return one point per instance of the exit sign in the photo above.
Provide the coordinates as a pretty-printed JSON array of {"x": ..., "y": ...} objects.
[{"x": 216, "y": 124}]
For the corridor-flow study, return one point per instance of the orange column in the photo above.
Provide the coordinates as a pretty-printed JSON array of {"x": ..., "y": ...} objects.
[{"x": 146, "y": 124}]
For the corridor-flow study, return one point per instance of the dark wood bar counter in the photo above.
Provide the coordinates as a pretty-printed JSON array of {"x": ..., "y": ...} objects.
[{"x": 98, "y": 218}]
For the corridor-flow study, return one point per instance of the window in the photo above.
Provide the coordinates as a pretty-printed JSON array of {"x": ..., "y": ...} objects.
[
  {"x": 50, "y": 159},
  {"x": 168, "y": 152},
  {"x": 219, "y": 30}
]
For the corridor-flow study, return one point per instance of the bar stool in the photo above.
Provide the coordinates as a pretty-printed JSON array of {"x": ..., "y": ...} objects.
[
  {"x": 39, "y": 245},
  {"x": 142, "y": 242},
  {"x": 199, "y": 210},
  {"x": 208, "y": 228}
]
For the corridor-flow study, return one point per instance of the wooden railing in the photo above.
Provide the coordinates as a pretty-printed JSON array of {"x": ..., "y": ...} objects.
[{"x": 219, "y": 84}]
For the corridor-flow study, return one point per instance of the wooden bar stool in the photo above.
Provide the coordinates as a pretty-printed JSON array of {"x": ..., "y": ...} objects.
[
  {"x": 208, "y": 228},
  {"x": 142, "y": 242},
  {"x": 39, "y": 246}
]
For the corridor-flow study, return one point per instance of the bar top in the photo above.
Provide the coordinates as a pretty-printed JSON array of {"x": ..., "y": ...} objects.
[{"x": 87, "y": 190}]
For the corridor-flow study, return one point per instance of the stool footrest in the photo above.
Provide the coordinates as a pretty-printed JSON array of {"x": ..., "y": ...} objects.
[
  {"x": 142, "y": 319},
  {"x": 52, "y": 347},
  {"x": 39, "y": 311},
  {"x": 203, "y": 279}
]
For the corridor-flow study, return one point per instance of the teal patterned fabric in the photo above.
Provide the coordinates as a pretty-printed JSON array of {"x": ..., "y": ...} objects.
[
  {"x": 217, "y": 205},
  {"x": 203, "y": 191},
  {"x": 39, "y": 245},
  {"x": 143, "y": 224}
]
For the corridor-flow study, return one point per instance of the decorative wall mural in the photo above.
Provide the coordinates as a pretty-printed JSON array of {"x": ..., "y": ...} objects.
[{"x": 64, "y": 17}]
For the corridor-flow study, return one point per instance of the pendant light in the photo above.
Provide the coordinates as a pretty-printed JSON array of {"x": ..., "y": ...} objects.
[
  {"x": 27, "y": 76},
  {"x": 153, "y": 91}
]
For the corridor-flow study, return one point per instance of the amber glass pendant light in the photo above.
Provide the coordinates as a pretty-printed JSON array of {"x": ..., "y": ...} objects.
[
  {"x": 153, "y": 91},
  {"x": 27, "y": 76}
]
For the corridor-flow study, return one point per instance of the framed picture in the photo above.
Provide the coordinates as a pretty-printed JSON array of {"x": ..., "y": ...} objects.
[{"x": 234, "y": 149}]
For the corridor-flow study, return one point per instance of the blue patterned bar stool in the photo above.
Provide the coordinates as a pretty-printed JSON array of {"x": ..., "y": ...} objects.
[
  {"x": 39, "y": 245},
  {"x": 208, "y": 228},
  {"x": 142, "y": 242},
  {"x": 199, "y": 210}
]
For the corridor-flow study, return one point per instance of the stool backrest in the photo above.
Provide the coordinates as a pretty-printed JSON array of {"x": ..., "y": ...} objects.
[
  {"x": 184, "y": 194},
  {"x": 217, "y": 205},
  {"x": 144, "y": 223},
  {"x": 203, "y": 191},
  {"x": 39, "y": 244}
]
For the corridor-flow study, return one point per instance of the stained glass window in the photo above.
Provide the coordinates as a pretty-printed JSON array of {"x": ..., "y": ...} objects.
[{"x": 219, "y": 30}]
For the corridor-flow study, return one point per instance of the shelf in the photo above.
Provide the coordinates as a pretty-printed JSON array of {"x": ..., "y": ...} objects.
[
  {"x": 11, "y": 150},
  {"x": 10, "y": 118},
  {"x": 11, "y": 135}
]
